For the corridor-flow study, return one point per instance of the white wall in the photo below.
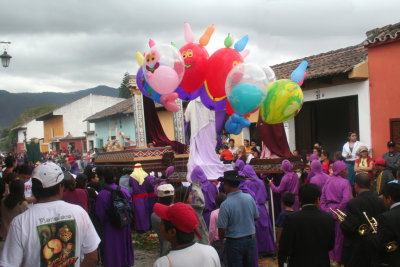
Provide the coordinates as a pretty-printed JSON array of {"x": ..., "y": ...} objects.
[
  {"x": 34, "y": 130},
  {"x": 76, "y": 112},
  {"x": 21, "y": 137},
  {"x": 361, "y": 89}
]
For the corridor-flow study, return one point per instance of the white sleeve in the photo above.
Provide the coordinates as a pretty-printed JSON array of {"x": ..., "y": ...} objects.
[
  {"x": 90, "y": 240},
  {"x": 161, "y": 262},
  {"x": 344, "y": 152},
  {"x": 13, "y": 252}
]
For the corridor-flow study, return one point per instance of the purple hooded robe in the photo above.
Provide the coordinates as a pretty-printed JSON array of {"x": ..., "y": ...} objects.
[
  {"x": 335, "y": 194},
  {"x": 209, "y": 190},
  {"x": 117, "y": 242},
  {"x": 289, "y": 183},
  {"x": 140, "y": 204},
  {"x": 320, "y": 177},
  {"x": 311, "y": 173},
  {"x": 264, "y": 233},
  {"x": 239, "y": 164}
]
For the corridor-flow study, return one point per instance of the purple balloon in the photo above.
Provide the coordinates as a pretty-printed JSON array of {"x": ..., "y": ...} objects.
[
  {"x": 188, "y": 96},
  {"x": 209, "y": 103},
  {"x": 145, "y": 88}
]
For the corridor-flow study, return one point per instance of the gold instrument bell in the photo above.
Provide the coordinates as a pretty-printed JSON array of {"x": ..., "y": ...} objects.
[
  {"x": 373, "y": 224},
  {"x": 340, "y": 214},
  {"x": 392, "y": 246}
]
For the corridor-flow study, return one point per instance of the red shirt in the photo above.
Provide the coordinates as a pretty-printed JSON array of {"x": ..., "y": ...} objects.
[
  {"x": 326, "y": 166},
  {"x": 226, "y": 155},
  {"x": 78, "y": 197}
]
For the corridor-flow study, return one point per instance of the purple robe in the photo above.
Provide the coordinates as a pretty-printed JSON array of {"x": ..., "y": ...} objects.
[
  {"x": 140, "y": 205},
  {"x": 75, "y": 168},
  {"x": 117, "y": 242},
  {"x": 320, "y": 177},
  {"x": 289, "y": 183},
  {"x": 149, "y": 183},
  {"x": 168, "y": 172},
  {"x": 209, "y": 191},
  {"x": 264, "y": 232},
  {"x": 239, "y": 165},
  {"x": 336, "y": 194}
]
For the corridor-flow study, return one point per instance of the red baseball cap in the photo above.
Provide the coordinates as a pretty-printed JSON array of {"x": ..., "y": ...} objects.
[
  {"x": 380, "y": 161},
  {"x": 181, "y": 215}
]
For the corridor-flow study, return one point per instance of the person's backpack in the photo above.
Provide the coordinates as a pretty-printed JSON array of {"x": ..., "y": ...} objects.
[{"x": 120, "y": 213}]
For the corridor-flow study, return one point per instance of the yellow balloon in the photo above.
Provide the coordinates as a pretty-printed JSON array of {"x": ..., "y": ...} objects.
[{"x": 139, "y": 58}]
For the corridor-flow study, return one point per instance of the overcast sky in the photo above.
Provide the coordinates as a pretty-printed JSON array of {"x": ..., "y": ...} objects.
[{"x": 71, "y": 45}]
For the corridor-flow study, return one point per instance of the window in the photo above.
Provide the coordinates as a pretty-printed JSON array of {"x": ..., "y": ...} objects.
[{"x": 52, "y": 132}]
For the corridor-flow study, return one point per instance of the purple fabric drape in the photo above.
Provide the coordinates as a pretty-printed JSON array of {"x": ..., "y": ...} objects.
[
  {"x": 154, "y": 130},
  {"x": 274, "y": 137},
  {"x": 219, "y": 120}
]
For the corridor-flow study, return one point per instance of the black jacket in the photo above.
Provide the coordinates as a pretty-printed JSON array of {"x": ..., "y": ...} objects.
[
  {"x": 388, "y": 231},
  {"x": 356, "y": 250},
  {"x": 307, "y": 237}
]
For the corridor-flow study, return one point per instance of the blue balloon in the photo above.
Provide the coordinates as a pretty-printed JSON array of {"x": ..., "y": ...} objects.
[
  {"x": 245, "y": 97},
  {"x": 298, "y": 74},
  {"x": 241, "y": 44},
  {"x": 235, "y": 124}
]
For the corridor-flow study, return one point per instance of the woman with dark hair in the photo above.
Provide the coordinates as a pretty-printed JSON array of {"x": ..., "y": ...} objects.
[
  {"x": 74, "y": 195},
  {"x": 325, "y": 161},
  {"x": 12, "y": 205},
  {"x": 254, "y": 154}
]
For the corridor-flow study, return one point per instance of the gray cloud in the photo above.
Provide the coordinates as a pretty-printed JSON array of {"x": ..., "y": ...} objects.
[{"x": 73, "y": 45}]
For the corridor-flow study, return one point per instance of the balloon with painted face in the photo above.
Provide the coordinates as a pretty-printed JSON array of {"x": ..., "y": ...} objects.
[
  {"x": 195, "y": 57},
  {"x": 246, "y": 87},
  {"x": 163, "y": 68},
  {"x": 219, "y": 65},
  {"x": 283, "y": 102}
]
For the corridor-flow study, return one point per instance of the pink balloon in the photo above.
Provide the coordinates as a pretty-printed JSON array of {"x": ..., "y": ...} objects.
[
  {"x": 169, "y": 102},
  {"x": 164, "y": 80},
  {"x": 301, "y": 82}
]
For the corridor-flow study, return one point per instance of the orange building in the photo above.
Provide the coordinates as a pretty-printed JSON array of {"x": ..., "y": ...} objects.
[
  {"x": 383, "y": 46},
  {"x": 53, "y": 130}
]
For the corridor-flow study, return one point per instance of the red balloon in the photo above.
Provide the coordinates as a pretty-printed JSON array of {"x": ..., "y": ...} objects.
[
  {"x": 196, "y": 60},
  {"x": 229, "y": 109},
  {"x": 219, "y": 65}
]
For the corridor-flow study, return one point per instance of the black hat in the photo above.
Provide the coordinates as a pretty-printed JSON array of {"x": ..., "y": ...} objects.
[
  {"x": 391, "y": 144},
  {"x": 231, "y": 176}
]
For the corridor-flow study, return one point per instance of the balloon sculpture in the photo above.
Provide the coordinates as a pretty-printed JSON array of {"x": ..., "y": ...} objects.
[{"x": 195, "y": 57}]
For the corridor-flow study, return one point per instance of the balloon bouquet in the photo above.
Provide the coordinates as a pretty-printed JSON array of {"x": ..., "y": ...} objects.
[{"x": 222, "y": 80}]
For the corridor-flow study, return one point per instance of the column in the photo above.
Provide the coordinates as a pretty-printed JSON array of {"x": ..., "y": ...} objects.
[{"x": 179, "y": 129}]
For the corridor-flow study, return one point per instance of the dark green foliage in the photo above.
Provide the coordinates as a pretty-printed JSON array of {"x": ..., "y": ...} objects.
[{"x": 123, "y": 90}]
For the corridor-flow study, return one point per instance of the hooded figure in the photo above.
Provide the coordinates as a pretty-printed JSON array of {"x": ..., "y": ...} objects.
[
  {"x": 209, "y": 191},
  {"x": 239, "y": 165},
  {"x": 168, "y": 172},
  {"x": 140, "y": 197},
  {"x": 289, "y": 183},
  {"x": 320, "y": 177},
  {"x": 335, "y": 194},
  {"x": 264, "y": 233},
  {"x": 311, "y": 174}
]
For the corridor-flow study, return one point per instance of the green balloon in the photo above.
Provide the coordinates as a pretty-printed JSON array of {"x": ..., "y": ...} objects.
[{"x": 228, "y": 41}]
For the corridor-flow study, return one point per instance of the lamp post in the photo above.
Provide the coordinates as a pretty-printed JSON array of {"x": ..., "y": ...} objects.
[{"x": 5, "y": 57}]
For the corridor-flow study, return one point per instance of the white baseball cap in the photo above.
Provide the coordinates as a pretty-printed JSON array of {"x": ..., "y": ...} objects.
[
  {"x": 165, "y": 190},
  {"x": 49, "y": 174}
]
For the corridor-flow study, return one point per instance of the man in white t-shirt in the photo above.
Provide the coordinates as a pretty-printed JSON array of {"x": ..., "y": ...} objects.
[
  {"x": 52, "y": 232},
  {"x": 178, "y": 226}
]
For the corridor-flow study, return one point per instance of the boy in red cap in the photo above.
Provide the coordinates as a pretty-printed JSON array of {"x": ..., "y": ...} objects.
[{"x": 178, "y": 226}]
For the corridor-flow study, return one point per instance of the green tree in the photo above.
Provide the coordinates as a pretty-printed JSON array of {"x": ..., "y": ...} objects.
[
  {"x": 10, "y": 135},
  {"x": 123, "y": 90}
]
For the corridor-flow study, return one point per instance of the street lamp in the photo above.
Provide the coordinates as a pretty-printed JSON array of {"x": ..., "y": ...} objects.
[{"x": 5, "y": 58}]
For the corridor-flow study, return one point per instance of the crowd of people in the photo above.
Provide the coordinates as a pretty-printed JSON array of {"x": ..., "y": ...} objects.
[{"x": 344, "y": 211}]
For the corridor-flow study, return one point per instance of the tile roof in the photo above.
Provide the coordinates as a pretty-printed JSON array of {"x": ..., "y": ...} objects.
[
  {"x": 124, "y": 107},
  {"x": 326, "y": 64},
  {"x": 391, "y": 31}
]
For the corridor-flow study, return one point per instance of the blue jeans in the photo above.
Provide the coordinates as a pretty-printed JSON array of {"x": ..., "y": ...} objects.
[
  {"x": 350, "y": 176},
  {"x": 240, "y": 252}
]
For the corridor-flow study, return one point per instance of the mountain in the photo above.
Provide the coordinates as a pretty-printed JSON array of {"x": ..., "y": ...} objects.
[{"x": 13, "y": 104}]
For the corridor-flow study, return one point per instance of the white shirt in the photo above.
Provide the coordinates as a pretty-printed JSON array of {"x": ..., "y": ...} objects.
[
  {"x": 196, "y": 255},
  {"x": 49, "y": 233},
  {"x": 354, "y": 156},
  {"x": 192, "y": 115},
  {"x": 249, "y": 158},
  {"x": 28, "y": 188},
  {"x": 234, "y": 150}
]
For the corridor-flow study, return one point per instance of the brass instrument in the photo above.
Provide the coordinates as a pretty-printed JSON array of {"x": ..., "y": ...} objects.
[
  {"x": 340, "y": 214},
  {"x": 392, "y": 246},
  {"x": 372, "y": 222}
]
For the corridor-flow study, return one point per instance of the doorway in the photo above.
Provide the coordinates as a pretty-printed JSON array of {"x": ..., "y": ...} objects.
[{"x": 327, "y": 121}]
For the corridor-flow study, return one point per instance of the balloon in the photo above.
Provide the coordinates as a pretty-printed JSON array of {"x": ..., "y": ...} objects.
[
  {"x": 139, "y": 58},
  {"x": 245, "y": 53},
  {"x": 270, "y": 74},
  {"x": 246, "y": 87},
  {"x": 195, "y": 57},
  {"x": 283, "y": 102},
  {"x": 144, "y": 87},
  {"x": 188, "y": 33},
  {"x": 241, "y": 44},
  {"x": 235, "y": 124},
  {"x": 219, "y": 65},
  {"x": 301, "y": 82},
  {"x": 207, "y": 35},
  {"x": 169, "y": 102},
  {"x": 210, "y": 103},
  {"x": 298, "y": 74},
  {"x": 163, "y": 68},
  {"x": 228, "y": 41},
  {"x": 229, "y": 109},
  {"x": 182, "y": 94}
]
